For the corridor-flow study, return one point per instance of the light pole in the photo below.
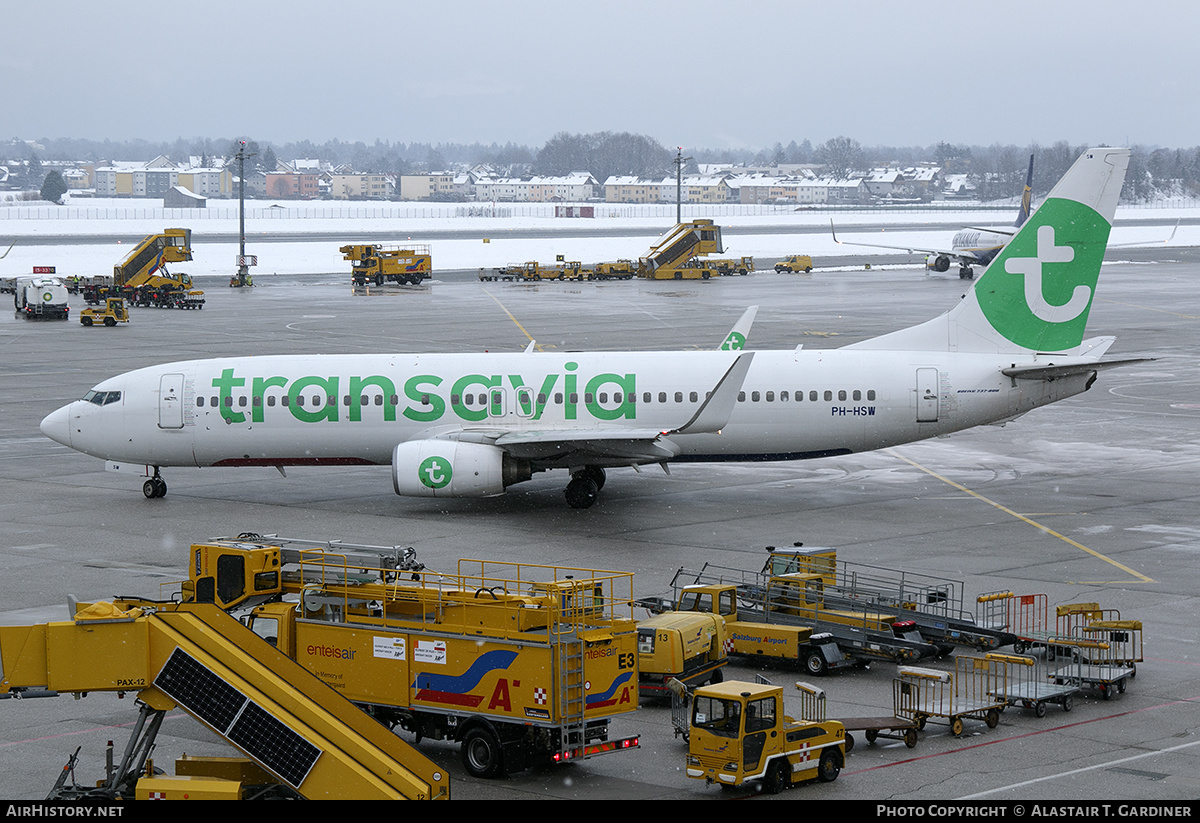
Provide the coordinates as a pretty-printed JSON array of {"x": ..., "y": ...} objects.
[
  {"x": 679, "y": 161},
  {"x": 242, "y": 278}
]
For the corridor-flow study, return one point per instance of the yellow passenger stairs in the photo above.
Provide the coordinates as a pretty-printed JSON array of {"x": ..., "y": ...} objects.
[{"x": 307, "y": 737}]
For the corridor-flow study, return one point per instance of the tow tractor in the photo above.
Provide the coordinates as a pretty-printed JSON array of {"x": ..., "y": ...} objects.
[
  {"x": 114, "y": 311},
  {"x": 739, "y": 733}
]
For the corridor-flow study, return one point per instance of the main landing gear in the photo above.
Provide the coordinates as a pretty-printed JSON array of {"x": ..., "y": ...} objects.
[
  {"x": 585, "y": 487},
  {"x": 155, "y": 486}
]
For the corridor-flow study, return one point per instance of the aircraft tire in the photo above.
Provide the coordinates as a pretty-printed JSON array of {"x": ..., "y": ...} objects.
[
  {"x": 581, "y": 492},
  {"x": 595, "y": 474}
]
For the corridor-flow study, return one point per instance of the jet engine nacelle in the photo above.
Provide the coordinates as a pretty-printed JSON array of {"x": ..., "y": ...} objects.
[
  {"x": 449, "y": 468},
  {"x": 939, "y": 262}
]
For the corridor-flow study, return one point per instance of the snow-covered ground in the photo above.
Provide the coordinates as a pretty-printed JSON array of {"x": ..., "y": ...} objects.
[{"x": 332, "y": 225}]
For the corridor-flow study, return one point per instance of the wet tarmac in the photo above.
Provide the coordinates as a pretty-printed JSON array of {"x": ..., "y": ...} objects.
[{"x": 1092, "y": 499}]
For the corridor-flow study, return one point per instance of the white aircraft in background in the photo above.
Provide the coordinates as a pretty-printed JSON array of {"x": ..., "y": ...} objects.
[
  {"x": 970, "y": 246},
  {"x": 471, "y": 425}
]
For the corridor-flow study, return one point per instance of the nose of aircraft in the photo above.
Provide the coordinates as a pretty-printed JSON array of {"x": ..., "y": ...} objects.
[{"x": 57, "y": 425}]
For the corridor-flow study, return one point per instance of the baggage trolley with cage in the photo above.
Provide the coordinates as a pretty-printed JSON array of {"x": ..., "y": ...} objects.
[
  {"x": 919, "y": 694},
  {"x": 1029, "y": 685},
  {"x": 1098, "y": 664}
]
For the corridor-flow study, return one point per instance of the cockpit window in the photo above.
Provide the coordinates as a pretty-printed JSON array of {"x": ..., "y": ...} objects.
[{"x": 102, "y": 398}]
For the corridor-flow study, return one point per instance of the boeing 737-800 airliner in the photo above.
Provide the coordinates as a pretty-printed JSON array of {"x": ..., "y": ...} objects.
[{"x": 470, "y": 425}]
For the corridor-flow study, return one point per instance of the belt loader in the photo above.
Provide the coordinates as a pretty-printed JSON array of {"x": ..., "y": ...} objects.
[
  {"x": 934, "y": 604},
  {"x": 785, "y": 616},
  {"x": 517, "y": 663}
]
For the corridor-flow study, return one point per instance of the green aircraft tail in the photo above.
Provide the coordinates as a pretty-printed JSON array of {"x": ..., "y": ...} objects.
[{"x": 1037, "y": 292}]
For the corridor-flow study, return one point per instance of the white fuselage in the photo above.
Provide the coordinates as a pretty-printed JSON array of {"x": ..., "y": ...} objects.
[{"x": 347, "y": 409}]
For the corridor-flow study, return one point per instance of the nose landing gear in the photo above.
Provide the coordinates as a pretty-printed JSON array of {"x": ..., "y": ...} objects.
[{"x": 155, "y": 486}]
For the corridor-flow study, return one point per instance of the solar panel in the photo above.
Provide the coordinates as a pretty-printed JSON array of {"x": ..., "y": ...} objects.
[
  {"x": 245, "y": 723},
  {"x": 273, "y": 744}
]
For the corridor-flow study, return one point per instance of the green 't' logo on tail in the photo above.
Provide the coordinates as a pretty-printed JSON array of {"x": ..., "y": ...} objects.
[{"x": 1038, "y": 291}]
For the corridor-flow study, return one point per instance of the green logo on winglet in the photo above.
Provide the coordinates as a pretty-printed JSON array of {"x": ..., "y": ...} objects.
[
  {"x": 736, "y": 341},
  {"x": 1038, "y": 291}
]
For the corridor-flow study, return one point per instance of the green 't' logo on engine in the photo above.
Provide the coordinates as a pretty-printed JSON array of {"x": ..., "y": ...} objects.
[
  {"x": 1038, "y": 291},
  {"x": 435, "y": 472}
]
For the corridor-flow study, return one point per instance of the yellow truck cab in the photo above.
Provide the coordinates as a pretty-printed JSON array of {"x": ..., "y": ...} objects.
[{"x": 739, "y": 733}]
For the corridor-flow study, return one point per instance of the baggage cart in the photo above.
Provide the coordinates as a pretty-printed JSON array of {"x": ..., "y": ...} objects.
[
  {"x": 1026, "y": 616},
  {"x": 1124, "y": 639},
  {"x": 1029, "y": 684},
  {"x": 1095, "y": 664},
  {"x": 970, "y": 691},
  {"x": 873, "y": 728}
]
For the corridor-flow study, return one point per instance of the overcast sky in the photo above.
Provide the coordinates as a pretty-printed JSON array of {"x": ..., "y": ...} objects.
[{"x": 698, "y": 74}]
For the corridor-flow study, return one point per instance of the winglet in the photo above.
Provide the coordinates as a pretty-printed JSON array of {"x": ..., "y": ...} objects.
[
  {"x": 714, "y": 412},
  {"x": 736, "y": 339}
]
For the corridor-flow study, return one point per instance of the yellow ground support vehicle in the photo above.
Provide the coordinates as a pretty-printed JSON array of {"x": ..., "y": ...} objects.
[
  {"x": 728, "y": 266},
  {"x": 380, "y": 264},
  {"x": 114, "y": 311},
  {"x": 794, "y": 263},
  {"x": 618, "y": 270},
  {"x": 687, "y": 646},
  {"x": 566, "y": 270},
  {"x": 674, "y": 257},
  {"x": 529, "y": 271},
  {"x": 516, "y": 662},
  {"x": 934, "y": 604},
  {"x": 761, "y": 634},
  {"x": 146, "y": 265},
  {"x": 780, "y": 617},
  {"x": 299, "y": 739},
  {"x": 739, "y": 732}
]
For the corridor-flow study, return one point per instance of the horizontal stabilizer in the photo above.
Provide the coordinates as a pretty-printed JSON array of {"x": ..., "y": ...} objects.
[{"x": 1051, "y": 371}]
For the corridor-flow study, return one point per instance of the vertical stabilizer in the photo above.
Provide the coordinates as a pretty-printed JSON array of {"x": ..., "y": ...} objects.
[{"x": 1036, "y": 294}]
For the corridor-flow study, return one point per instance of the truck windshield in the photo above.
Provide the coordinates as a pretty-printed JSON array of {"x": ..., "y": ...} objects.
[{"x": 719, "y": 717}]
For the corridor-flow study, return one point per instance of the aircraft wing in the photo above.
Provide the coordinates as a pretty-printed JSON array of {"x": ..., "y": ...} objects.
[
  {"x": 966, "y": 256},
  {"x": 613, "y": 443}
]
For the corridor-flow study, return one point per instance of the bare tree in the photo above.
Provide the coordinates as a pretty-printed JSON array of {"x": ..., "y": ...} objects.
[{"x": 839, "y": 156}]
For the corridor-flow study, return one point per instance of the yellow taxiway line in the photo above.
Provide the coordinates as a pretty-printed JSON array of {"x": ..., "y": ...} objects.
[{"x": 1140, "y": 577}]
